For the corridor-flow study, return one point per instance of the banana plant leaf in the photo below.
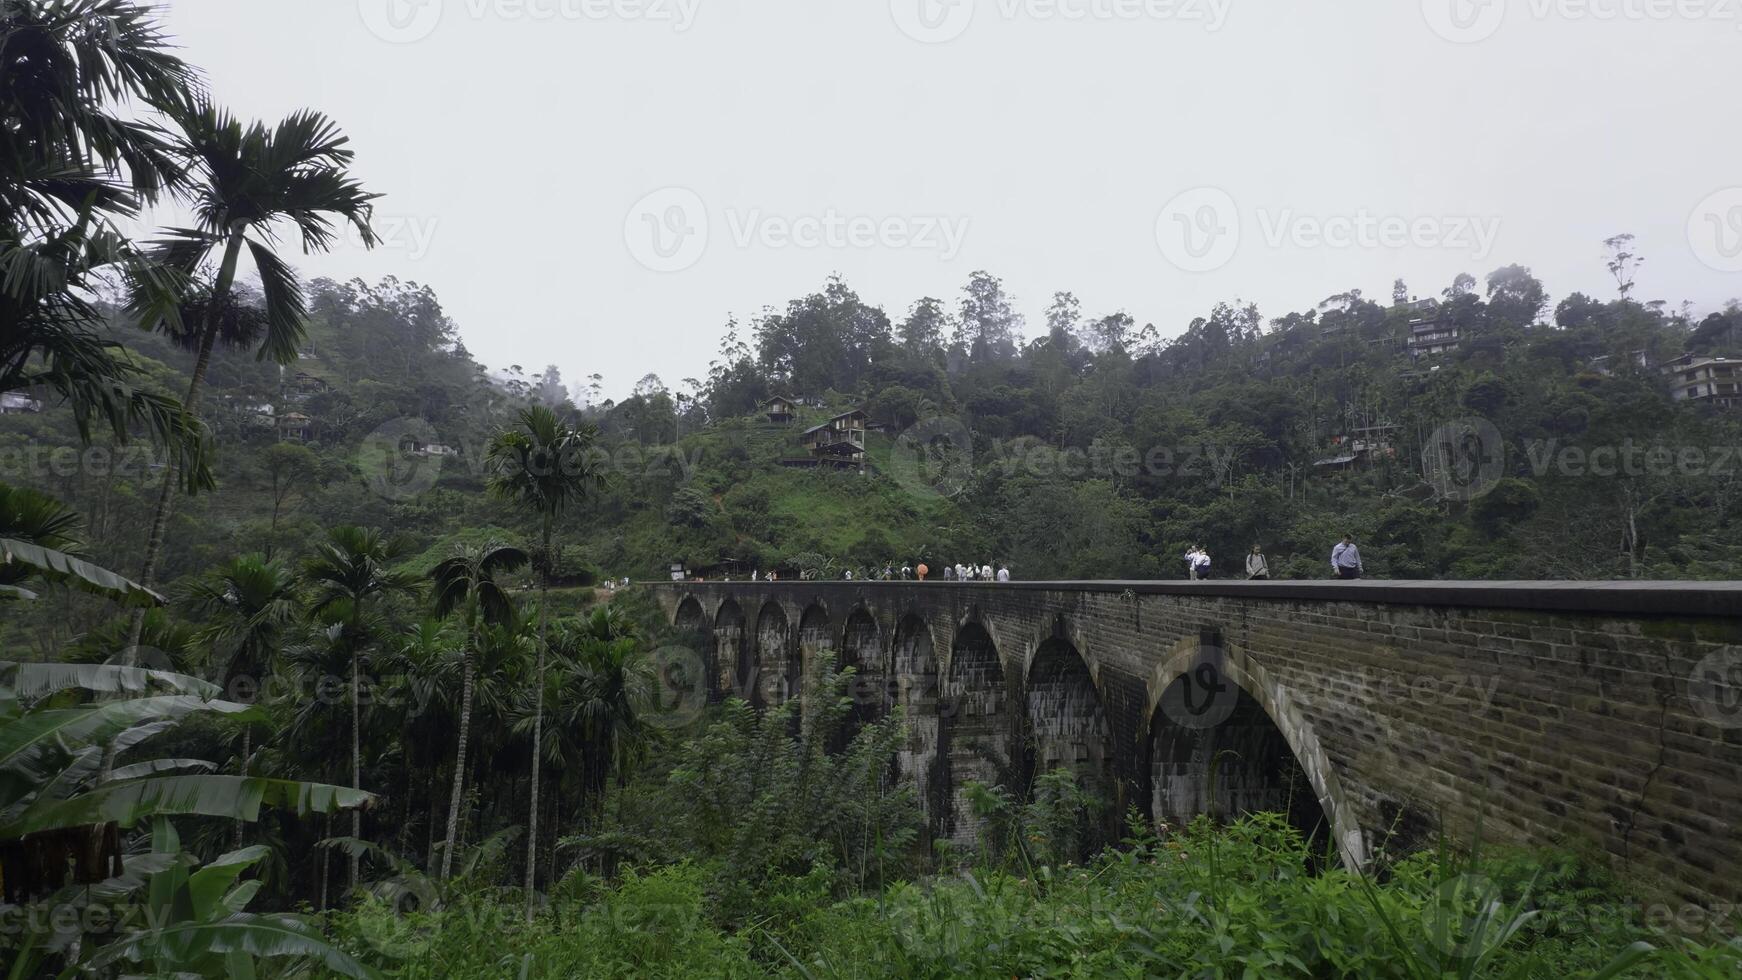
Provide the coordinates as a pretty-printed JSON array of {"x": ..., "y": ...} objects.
[
  {"x": 188, "y": 943},
  {"x": 60, "y": 567},
  {"x": 234, "y": 797},
  {"x": 34, "y": 680},
  {"x": 31, "y": 743}
]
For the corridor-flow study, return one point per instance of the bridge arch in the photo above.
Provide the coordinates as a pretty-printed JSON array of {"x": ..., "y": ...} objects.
[
  {"x": 815, "y": 634},
  {"x": 1068, "y": 730},
  {"x": 690, "y": 616},
  {"x": 979, "y": 725},
  {"x": 1222, "y": 737},
  {"x": 728, "y": 655},
  {"x": 863, "y": 649},
  {"x": 776, "y": 671},
  {"x": 918, "y": 690}
]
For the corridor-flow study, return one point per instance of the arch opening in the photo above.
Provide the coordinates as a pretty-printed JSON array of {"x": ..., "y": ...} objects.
[
  {"x": 978, "y": 727},
  {"x": 776, "y": 671},
  {"x": 1069, "y": 732},
  {"x": 1214, "y": 750},
  {"x": 727, "y": 654},
  {"x": 921, "y": 760},
  {"x": 690, "y": 618},
  {"x": 862, "y": 649}
]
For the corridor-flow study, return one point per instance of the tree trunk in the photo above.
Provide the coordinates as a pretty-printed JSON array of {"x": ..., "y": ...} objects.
[
  {"x": 467, "y": 669},
  {"x": 242, "y": 769},
  {"x": 537, "y": 722},
  {"x": 166, "y": 494},
  {"x": 189, "y": 411},
  {"x": 356, "y": 756}
]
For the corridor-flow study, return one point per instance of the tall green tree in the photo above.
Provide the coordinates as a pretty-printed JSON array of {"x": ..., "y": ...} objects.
[
  {"x": 247, "y": 608},
  {"x": 547, "y": 467},
  {"x": 467, "y": 583},
  {"x": 244, "y": 183},
  {"x": 348, "y": 575}
]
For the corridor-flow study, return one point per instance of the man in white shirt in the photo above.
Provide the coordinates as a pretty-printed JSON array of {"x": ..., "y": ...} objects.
[
  {"x": 1346, "y": 559},
  {"x": 1003, "y": 573}
]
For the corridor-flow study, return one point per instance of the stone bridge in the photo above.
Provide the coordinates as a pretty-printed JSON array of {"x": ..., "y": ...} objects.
[{"x": 1601, "y": 717}]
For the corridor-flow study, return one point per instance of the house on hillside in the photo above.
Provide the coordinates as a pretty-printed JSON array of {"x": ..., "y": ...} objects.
[
  {"x": 17, "y": 402},
  {"x": 1366, "y": 444},
  {"x": 296, "y": 427},
  {"x": 1697, "y": 377},
  {"x": 303, "y": 386},
  {"x": 780, "y": 410},
  {"x": 839, "y": 443},
  {"x": 1430, "y": 336}
]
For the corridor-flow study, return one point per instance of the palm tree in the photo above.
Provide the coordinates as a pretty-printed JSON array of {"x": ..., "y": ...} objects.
[
  {"x": 244, "y": 182},
  {"x": 604, "y": 683},
  {"x": 545, "y": 466},
  {"x": 467, "y": 582},
  {"x": 247, "y": 606},
  {"x": 75, "y": 167},
  {"x": 349, "y": 573}
]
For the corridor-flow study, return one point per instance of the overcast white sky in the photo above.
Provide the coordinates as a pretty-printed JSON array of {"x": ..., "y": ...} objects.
[{"x": 530, "y": 151}]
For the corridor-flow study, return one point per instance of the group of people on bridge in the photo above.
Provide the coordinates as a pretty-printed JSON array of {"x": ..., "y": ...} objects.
[{"x": 1345, "y": 562}]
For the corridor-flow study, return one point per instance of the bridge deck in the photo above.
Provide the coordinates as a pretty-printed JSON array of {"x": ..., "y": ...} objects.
[{"x": 1658, "y": 598}]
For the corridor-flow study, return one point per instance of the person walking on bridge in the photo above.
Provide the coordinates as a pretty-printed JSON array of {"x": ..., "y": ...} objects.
[
  {"x": 1003, "y": 573},
  {"x": 1346, "y": 559},
  {"x": 1257, "y": 569}
]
